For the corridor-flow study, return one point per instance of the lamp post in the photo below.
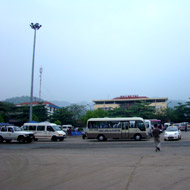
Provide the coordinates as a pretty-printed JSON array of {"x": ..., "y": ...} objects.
[{"x": 35, "y": 27}]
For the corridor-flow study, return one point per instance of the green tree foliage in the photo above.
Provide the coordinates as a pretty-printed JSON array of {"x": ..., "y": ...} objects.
[
  {"x": 64, "y": 115},
  {"x": 118, "y": 112},
  {"x": 41, "y": 112},
  {"x": 5, "y": 109},
  {"x": 77, "y": 110},
  {"x": 1, "y": 119},
  {"x": 141, "y": 109},
  {"x": 94, "y": 114},
  {"x": 57, "y": 122}
]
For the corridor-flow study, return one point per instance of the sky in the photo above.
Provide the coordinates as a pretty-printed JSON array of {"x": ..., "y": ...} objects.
[{"x": 95, "y": 49}]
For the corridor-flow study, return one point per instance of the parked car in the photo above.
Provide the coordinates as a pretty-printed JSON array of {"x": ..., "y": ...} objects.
[
  {"x": 172, "y": 133},
  {"x": 9, "y": 133},
  {"x": 181, "y": 126}
]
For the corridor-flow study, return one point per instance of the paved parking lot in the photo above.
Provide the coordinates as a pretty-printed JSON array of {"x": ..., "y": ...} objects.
[{"x": 88, "y": 164}]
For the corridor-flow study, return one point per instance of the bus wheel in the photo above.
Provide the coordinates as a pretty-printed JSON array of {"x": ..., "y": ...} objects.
[
  {"x": 138, "y": 137},
  {"x": 101, "y": 138}
]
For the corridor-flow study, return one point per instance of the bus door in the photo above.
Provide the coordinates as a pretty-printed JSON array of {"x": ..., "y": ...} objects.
[
  {"x": 132, "y": 129},
  {"x": 125, "y": 130}
]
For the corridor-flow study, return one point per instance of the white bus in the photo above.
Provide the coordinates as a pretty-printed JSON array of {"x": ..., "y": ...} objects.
[
  {"x": 45, "y": 130},
  {"x": 116, "y": 128}
]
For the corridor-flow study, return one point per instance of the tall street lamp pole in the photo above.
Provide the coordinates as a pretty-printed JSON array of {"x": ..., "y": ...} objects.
[{"x": 35, "y": 27}]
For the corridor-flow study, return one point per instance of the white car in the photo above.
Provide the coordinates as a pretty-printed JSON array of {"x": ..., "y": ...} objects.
[
  {"x": 172, "y": 133},
  {"x": 9, "y": 133}
]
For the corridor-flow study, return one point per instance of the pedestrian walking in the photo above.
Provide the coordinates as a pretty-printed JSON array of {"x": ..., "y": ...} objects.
[
  {"x": 185, "y": 127},
  {"x": 156, "y": 136}
]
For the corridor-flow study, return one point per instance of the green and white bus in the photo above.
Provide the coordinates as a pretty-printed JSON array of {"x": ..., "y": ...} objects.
[{"x": 116, "y": 128}]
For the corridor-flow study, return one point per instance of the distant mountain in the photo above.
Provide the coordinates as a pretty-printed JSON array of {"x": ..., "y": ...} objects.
[
  {"x": 173, "y": 103},
  {"x": 88, "y": 105},
  {"x": 61, "y": 103},
  {"x": 18, "y": 100}
]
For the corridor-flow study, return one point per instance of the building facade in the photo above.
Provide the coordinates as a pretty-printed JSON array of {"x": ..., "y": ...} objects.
[
  {"x": 51, "y": 108},
  {"x": 127, "y": 101}
]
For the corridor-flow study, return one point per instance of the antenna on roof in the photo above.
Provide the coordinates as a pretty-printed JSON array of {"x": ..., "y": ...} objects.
[{"x": 40, "y": 81}]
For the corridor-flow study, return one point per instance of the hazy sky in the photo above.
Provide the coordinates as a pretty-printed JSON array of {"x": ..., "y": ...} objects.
[{"x": 96, "y": 49}]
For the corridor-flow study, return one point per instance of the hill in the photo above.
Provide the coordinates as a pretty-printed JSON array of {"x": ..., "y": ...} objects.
[{"x": 18, "y": 100}]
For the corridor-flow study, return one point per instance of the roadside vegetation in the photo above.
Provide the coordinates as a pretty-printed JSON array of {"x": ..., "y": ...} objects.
[{"x": 77, "y": 115}]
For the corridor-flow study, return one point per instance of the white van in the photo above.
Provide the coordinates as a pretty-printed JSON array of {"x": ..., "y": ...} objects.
[
  {"x": 148, "y": 126},
  {"x": 45, "y": 130},
  {"x": 65, "y": 128}
]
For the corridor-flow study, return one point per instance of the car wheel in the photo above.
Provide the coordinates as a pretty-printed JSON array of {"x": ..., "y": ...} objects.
[
  {"x": 21, "y": 139},
  {"x": 54, "y": 138},
  {"x": 61, "y": 139},
  {"x": 138, "y": 137},
  {"x": 1, "y": 139},
  {"x": 101, "y": 138}
]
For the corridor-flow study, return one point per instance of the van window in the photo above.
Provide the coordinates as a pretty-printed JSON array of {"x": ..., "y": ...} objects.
[
  {"x": 25, "y": 128},
  {"x": 49, "y": 128},
  {"x": 4, "y": 129},
  {"x": 41, "y": 128},
  {"x": 32, "y": 128},
  {"x": 10, "y": 129}
]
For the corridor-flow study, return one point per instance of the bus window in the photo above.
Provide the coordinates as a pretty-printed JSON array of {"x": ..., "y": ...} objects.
[
  {"x": 140, "y": 125},
  {"x": 127, "y": 125},
  {"x": 93, "y": 125},
  {"x": 131, "y": 124}
]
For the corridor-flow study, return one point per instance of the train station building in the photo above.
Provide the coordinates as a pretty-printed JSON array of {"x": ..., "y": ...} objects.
[{"x": 127, "y": 101}]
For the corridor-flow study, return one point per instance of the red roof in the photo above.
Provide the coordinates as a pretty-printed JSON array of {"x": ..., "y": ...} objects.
[
  {"x": 131, "y": 97},
  {"x": 35, "y": 103}
]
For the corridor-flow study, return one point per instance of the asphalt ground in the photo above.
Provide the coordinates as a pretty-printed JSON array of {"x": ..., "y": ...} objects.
[{"x": 78, "y": 164}]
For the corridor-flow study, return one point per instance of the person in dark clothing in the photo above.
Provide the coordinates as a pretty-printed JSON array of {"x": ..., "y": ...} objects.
[
  {"x": 185, "y": 127},
  {"x": 156, "y": 136}
]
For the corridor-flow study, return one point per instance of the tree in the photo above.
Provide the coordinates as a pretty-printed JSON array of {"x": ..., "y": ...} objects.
[
  {"x": 1, "y": 119},
  {"x": 41, "y": 112},
  {"x": 118, "y": 112},
  {"x": 77, "y": 110},
  {"x": 5, "y": 110},
  {"x": 57, "y": 122},
  {"x": 95, "y": 114},
  {"x": 179, "y": 113},
  {"x": 141, "y": 109},
  {"x": 64, "y": 115}
]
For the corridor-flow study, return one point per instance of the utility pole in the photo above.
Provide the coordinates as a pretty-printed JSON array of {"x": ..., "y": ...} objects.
[
  {"x": 40, "y": 82},
  {"x": 36, "y": 26}
]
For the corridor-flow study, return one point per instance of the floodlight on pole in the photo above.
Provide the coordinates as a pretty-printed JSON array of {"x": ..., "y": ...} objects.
[{"x": 36, "y": 26}]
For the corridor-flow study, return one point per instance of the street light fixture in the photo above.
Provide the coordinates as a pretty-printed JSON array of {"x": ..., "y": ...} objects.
[{"x": 36, "y": 26}]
